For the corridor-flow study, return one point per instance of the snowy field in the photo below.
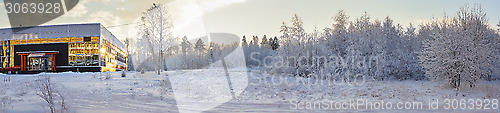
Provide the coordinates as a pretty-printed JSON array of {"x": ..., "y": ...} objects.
[{"x": 149, "y": 92}]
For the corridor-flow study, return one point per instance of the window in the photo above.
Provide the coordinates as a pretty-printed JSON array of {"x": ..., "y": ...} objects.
[
  {"x": 87, "y": 51},
  {"x": 72, "y": 58}
]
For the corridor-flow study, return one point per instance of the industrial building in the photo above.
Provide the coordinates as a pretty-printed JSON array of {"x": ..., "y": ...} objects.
[{"x": 57, "y": 48}]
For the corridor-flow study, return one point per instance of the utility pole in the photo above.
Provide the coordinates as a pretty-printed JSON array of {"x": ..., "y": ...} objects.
[
  {"x": 155, "y": 7},
  {"x": 157, "y": 16},
  {"x": 160, "y": 50},
  {"x": 160, "y": 63}
]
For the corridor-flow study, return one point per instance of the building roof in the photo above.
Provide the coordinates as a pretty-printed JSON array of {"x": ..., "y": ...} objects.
[
  {"x": 63, "y": 30},
  {"x": 51, "y": 31}
]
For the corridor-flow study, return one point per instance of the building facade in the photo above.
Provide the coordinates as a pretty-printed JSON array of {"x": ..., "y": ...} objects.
[{"x": 57, "y": 48}]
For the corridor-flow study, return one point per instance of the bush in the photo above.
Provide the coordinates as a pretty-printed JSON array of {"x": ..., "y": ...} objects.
[{"x": 54, "y": 99}]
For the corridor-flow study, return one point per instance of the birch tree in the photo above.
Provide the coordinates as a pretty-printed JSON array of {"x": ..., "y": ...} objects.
[{"x": 156, "y": 31}]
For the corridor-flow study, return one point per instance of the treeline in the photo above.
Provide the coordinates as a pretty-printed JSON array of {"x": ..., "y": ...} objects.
[
  {"x": 260, "y": 48},
  {"x": 187, "y": 55},
  {"x": 460, "y": 49}
]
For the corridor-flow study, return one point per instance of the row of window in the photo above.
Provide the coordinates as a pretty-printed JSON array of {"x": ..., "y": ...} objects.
[
  {"x": 83, "y": 54},
  {"x": 56, "y": 40},
  {"x": 84, "y": 45},
  {"x": 112, "y": 56},
  {"x": 84, "y": 60},
  {"x": 84, "y": 51}
]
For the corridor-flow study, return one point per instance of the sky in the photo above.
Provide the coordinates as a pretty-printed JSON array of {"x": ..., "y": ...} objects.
[{"x": 195, "y": 18}]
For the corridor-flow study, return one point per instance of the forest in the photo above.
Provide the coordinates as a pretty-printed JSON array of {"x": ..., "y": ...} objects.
[{"x": 460, "y": 49}]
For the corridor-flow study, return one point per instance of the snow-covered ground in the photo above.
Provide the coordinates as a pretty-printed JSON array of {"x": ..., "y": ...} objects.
[{"x": 206, "y": 90}]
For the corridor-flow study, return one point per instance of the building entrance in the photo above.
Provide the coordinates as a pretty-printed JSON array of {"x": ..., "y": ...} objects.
[
  {"x": 39, "y": 63},
  {"x": 38, "y": 60}
]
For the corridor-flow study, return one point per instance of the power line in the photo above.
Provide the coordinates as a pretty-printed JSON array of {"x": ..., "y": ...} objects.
[{"x": 122, "y": 25}]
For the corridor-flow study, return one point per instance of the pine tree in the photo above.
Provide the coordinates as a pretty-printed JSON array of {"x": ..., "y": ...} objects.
[
  {"x": 255, "y": 41},
  {"x": 271, "y": 42},
  {"x": 275, "y": 43},
  {"x": 394, "y": 52},
  {"x": 498, "y": 26},
  {"x": 199, "y": 46},
  {"x": 337, "y": 38},
  {"x": 264, "y": 43},
  {"x": 244, "y": 41},
  {"x": 185, "y": 46},
  {"x": 411, "y": 48}
]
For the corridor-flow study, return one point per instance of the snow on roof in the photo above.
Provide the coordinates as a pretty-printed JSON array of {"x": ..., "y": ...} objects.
[
  {"x": 51, "y": 31},
  {"x": 63, "y": 30}
]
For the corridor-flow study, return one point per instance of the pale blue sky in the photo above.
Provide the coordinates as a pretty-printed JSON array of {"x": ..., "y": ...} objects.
[
  {"x": 265, "y": 16},
  {"x": 259, "y": 17}
]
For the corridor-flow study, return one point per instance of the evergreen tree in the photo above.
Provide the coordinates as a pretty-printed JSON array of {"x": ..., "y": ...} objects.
[
  {"x": 255, "y": 41},
  {"x": 498, "y": 30},
  {"x": 275, "y": 43},
  {"x": 264, "y": 42},
  {"x": 130, "y": 63},
  {"x": 271, "y": 42},
  {"x": 199, "y": 46},
  {"x": 214, "y": 51},
  {"x": 336, "y": 40},
  {"x": 185, "y": 46},
  {"x": 410, "y": 31},
  {"x": 244, "y": 41}
]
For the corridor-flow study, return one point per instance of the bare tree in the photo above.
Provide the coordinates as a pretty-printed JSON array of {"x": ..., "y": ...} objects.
[
  {"x": 156, "y": 28},
  {"x": 52, "y": 97},
  {"x": 6, "y": 78},
  {"x": 5, "y": 100}
]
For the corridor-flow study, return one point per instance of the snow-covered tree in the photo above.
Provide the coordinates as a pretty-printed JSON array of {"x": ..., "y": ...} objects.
[
  {"x": 292, "y": 40},
  {"x": 186, "y": 49},
  {"x": 498, "y": 30},
  {"x": 199, "y": 46},
  {"x": 186, "y": 46},
  {"x": 361, "y": 42},
  {"x": 458, "y": 49},
  {"x": 398, "y": 51},
  {"x": 156, "y": 31},
  {"x": 412, "y": 47},
  {"x": 256, "y": 51},
  {"x": 201, "y": 58},
  {"x": 130, "y": 61},
  {"x": 498, "y": 26},
  {"x": 214, "y": 51},
  {"x": 337, "y": 39}
]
